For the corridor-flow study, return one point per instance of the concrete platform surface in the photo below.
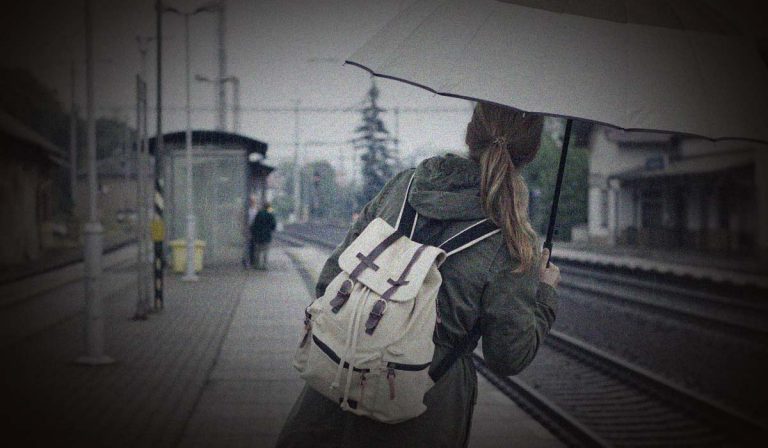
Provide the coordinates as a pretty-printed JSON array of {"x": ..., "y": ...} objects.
[{"x": 212, "y": 369}]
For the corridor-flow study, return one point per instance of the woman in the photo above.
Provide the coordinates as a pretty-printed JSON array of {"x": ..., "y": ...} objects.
[{"x": 501, "y": 285}]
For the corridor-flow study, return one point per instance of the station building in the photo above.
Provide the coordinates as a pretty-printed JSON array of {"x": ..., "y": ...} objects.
[
  {"x": 27, "y": 166},
  {"x": 666, "y": 191},
  {"x": 227, "y": 169}
]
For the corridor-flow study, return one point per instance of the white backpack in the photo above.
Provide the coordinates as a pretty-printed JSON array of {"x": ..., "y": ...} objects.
[{"x": 368, "y": 340}]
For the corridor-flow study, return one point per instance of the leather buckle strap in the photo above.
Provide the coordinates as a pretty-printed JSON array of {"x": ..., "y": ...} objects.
[{"x": 368, "y": 261}]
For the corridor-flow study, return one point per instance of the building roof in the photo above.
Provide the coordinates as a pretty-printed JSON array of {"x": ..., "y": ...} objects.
[
  {"x": 710, "y": 163},
  {"x": 206, "y": 137},
  {"x": 630, "y": 138},
  {"x": 17, "y": 130},
  {"x": 259, "y": 169}
]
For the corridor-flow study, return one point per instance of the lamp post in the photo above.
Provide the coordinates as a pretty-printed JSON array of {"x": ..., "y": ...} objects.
[
  {"x": 142, "y": 201},
  {"x": 235, "y": 96},
  {"x": 94, "y": 305},
  {"x": 190, "y": 274}
]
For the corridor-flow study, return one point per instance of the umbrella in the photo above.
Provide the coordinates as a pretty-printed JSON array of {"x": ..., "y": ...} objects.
[{"x": 666, "y": 66}]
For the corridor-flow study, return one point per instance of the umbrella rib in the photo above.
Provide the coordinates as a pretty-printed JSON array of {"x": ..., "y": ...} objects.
[
  {"x": 411, "y": 33},
  {"x": 475, "y": 33}
]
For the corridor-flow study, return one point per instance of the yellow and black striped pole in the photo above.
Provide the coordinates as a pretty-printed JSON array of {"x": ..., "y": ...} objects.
[
  {"x": 158, "y": 235},
  {"x": 158, "y": 223}
]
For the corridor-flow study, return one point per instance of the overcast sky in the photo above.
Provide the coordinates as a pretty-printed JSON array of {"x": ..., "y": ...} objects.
[{"x": 270, "y": 44}]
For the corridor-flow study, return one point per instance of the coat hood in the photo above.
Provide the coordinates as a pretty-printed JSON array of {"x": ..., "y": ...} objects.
[{"x": 447, "y": 188}]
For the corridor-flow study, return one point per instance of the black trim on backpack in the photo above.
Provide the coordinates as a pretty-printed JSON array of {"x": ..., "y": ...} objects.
[{"x": 334, "y": 357}]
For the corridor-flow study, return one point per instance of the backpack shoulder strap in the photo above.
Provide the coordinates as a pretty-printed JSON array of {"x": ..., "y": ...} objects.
[
  {"x": 471, "y": 235},
  {"x": 459, "y": 349},
  {"x": 406, "y": 220}
]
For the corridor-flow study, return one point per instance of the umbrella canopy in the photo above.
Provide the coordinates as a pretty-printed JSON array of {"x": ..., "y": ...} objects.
[
  {"x": 654, "y": 65},
  {"x": 670, "y": 66}
]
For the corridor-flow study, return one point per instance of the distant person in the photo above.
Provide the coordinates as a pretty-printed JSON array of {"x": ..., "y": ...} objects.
[
  {"x": 263, "y": 225},
  {"x": 248, "y": 257},
  {"x": 500, "y": 289}
]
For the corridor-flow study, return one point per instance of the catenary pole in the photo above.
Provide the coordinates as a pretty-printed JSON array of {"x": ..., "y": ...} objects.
[
  {"x": 93, "y": 232},
  {"x": 222, "y": 89},
  {"x": 73, "y": 134},
  {"x": 143, "y": 203},
  {"x": 190, "y": 274},
  {"x": 126, "y": 144},
  {"x": 236, "y": 104},
  {"x": 296, "y": 164},
  {"x": 141, "y": 310}
]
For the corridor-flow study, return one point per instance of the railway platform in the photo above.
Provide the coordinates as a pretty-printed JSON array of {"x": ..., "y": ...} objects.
[
  {"x": 211, "y": 369},
  {"x": 685, "y": 264},
  {"x": 718, "y": 268}
]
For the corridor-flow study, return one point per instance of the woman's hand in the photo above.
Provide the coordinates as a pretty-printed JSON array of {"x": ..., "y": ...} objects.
[{"x": 549, "y": 275}]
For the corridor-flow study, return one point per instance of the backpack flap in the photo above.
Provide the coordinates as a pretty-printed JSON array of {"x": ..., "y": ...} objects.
[{"x": 388, "y": 263}]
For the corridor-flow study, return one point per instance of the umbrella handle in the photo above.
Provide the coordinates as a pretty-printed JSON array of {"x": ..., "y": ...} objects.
[{"x": 558, "y": 184}]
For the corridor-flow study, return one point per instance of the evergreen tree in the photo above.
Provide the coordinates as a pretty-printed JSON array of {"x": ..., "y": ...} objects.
[
  {"x": 540, "y": 175},
  {"x": 373, "y": 139}
]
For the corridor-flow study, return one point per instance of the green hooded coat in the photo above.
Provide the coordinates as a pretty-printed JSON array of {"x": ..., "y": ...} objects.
[
  {"x": 263, "y": 225},
  {"x": 514, "y": 312}
]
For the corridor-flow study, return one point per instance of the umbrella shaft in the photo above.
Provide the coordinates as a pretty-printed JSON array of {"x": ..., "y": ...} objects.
[{"x": 558, "y": 184}]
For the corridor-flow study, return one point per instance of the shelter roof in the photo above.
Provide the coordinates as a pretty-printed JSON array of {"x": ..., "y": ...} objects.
[{"x": 226, "y": 140}]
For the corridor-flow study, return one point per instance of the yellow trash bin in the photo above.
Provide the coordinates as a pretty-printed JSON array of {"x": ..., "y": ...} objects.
[{"x": 179, "y": 255}]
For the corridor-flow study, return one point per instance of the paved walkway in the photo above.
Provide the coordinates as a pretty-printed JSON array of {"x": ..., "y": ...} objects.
[
  {"x": 212, "y": 369},
  {"x": 252, "y": 385},
  {"x": 148, "y": 396}
]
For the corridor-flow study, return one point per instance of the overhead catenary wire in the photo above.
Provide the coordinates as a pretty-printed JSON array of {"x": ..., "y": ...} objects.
[{"x": 290, "y": 109}]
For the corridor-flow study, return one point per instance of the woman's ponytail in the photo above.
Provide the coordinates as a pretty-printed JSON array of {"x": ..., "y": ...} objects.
[{"x": 502, "y": 140}]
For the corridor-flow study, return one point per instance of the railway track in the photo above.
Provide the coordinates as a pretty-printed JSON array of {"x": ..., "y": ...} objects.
[
  {"x": 740, "y": 317},
  {"x": 727, "y": 309},
  {"x": 28, "y": 285},
  {"x": 590, "y": 398}
]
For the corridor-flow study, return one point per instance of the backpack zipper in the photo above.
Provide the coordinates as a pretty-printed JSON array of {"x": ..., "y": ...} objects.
[
  {"x": 307, "y": 328},
  {"x": 363, "y": 382},
  {"x": 393, "y": 367},
  {"x": 391, "y": 380},
  {"x": 334, "y": 357}
]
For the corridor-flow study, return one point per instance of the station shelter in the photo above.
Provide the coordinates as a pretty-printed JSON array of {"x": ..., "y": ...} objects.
[
  {"x": 659, "y": 190},
  {"x": 227, "y": 169}
]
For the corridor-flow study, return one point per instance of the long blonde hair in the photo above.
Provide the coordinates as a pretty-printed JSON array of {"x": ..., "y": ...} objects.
[{"x": 502, "y": 140}]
